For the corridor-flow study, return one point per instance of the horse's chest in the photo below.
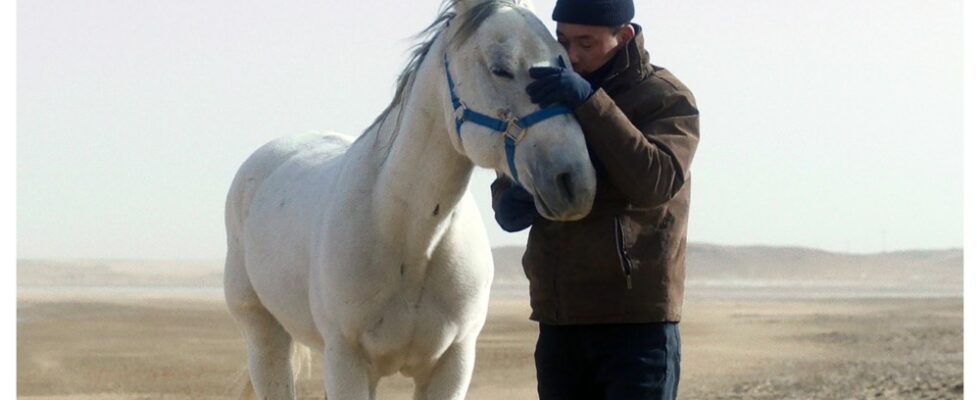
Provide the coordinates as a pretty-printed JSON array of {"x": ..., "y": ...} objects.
[{"x": 408, "y": 328}]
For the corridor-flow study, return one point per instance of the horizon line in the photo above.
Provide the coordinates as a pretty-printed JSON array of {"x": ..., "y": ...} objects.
[{"x": 510, "y": 246}]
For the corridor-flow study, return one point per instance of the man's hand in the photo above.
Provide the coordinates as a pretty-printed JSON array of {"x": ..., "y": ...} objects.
[
  {"x": 558, "y": 85},
  {"x": 516, "y": 209}
]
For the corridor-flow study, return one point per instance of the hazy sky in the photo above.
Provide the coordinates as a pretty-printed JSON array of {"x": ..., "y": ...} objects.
[{"x": 836, "y": 125}]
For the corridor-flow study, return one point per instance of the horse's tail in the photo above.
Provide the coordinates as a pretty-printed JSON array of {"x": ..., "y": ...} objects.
[
  {"x": 243, "y": 386},
  {"x": 301, "y": 360}
]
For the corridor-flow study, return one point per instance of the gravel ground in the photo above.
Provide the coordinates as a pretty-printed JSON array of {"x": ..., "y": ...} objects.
[
  {"x": 733, "y": 349},
  {"x": 889, "y": 349}
]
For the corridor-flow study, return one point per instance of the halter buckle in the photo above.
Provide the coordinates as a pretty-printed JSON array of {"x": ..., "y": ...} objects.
[
  {"x": 458, "y": 112},
  {"x": 514, "y": 130}
]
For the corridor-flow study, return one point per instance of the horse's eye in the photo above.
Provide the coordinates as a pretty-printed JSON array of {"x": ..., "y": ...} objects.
[{"x": 503, "y": 73}]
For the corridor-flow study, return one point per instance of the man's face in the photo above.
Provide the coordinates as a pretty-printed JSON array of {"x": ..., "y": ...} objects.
[{"x": 589, "y": 47}]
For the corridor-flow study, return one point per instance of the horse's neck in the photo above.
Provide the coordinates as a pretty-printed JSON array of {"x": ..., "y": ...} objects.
[{"x": 423, "y": 178}]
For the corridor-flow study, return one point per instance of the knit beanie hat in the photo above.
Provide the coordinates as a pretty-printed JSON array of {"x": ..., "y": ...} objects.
[{"x": 594, "y": 12}]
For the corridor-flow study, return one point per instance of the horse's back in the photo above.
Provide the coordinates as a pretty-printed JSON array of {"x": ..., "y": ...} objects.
[{"x": 264, "y": 161}]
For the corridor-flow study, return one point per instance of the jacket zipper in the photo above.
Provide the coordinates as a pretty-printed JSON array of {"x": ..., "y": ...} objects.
[{"x": 624, "y": 258}]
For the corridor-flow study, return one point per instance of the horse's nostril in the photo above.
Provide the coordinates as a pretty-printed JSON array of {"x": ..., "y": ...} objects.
[{"x": 564, "y": 181}]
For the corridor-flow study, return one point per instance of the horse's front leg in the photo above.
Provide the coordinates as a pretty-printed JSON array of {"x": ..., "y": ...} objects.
[
  {"x": 346, "y": 373},
  {"x": 450, "y": 378}
]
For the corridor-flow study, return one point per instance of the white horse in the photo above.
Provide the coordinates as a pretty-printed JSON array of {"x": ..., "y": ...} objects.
[{"x": 372, "y": 252}]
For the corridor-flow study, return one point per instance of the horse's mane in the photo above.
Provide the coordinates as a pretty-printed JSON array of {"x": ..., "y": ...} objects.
[{"x": 471, "y": 20}]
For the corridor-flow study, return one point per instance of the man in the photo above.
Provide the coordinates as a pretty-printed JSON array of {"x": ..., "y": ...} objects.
[{"x": 607, "y": 289}]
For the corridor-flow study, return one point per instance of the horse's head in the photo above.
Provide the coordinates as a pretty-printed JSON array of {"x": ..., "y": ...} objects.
[{"x": 493, "y": 44}]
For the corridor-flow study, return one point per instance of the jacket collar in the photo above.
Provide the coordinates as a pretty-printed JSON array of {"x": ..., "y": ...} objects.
[{"x": 630, "y": 64}]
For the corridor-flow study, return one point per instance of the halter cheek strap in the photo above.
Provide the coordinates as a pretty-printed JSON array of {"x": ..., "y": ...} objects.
[{"x": 513, "y": 128}]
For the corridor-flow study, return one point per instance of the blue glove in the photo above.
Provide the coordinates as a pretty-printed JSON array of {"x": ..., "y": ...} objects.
[
  {"x": 516, "y": 210},
  {"x": 558, "y": 85}
]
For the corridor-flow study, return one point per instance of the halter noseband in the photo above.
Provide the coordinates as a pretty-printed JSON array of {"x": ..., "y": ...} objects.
[{"x": 513, "y": 128}]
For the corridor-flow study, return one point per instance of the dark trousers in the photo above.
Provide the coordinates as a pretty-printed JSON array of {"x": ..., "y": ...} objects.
[{"x": 608, "y": 362}]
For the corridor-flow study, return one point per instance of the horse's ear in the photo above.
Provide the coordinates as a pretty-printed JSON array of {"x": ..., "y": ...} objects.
[{"x": 528, "y": 4}]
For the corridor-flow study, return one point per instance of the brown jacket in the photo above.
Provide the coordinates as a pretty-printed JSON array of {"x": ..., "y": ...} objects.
[{"x": 624, "y": 262}]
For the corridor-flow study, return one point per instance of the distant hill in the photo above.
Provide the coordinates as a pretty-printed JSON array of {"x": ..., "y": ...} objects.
[
  {"x": 793, "y": 271},
  {"x": 712, "y": 270},
  {"x": 925, "y": 267}
]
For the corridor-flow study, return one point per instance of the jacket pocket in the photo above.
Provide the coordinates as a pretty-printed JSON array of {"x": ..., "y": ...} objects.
[{"x": 624, "y": 258}]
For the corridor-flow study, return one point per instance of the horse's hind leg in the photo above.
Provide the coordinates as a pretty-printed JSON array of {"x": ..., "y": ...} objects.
[
  {"x": 269, "y": 355},
  {"x": 269, "y": 345}
]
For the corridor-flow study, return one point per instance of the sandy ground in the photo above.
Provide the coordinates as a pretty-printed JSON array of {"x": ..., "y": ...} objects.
[{"x": 170, "y": 346}]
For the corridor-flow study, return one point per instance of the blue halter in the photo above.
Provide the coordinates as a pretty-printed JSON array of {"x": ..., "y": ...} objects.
[{"x": 513, "y": 128}]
